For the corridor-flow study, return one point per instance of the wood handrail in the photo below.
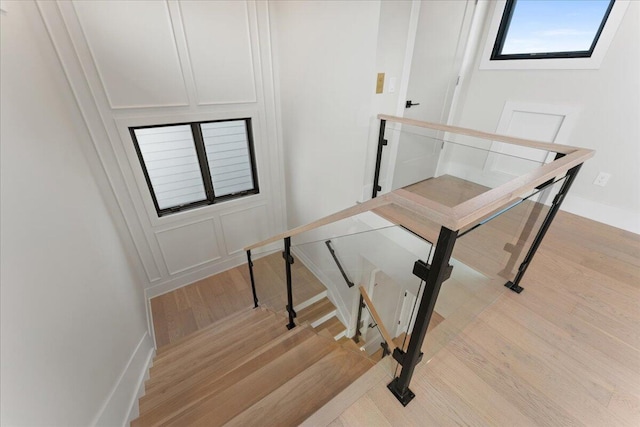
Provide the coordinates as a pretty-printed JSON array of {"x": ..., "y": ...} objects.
[
  {"x": 374, "y": 313},
  {"x": 469, "y": 211},
  {"x": 556, "y": 148},
  {"x": 343, "y": 214}
]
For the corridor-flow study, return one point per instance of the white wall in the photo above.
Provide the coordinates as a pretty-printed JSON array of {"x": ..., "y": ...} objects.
[
  {"x": 608, "y": 103},
  {"x": 73, "y": 330},
  {"x": 325, "y": 58}
]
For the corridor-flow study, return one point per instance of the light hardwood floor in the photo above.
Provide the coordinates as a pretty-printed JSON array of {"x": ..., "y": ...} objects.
[
  {"x": 186, "y": 310},
  {"x": 564, "y": 352}
]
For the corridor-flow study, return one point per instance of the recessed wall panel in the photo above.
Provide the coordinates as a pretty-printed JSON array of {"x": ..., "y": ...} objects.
[
  {"x": 189, "y": 245},
  {"x": 219, "y": 44},
  {"x": 243, "y": 228},
  {"x": 134, "y": 50}
]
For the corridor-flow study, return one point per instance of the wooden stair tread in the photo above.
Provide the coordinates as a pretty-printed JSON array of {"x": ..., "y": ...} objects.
[
  {"x": 242, "y": 393},
  {"x": 181, "y": 381},
  {"x": 211, "y": 333},
  {"x": 333, "y": 325},
  {"x": 251, "y": 362},
  {"x": 303, "y": 395},
  {"x": 350, "y": 344},
  {"x": 201, "y": 388},
  {"x": 196, "y": 350},
  {"x": 227, "y": 321},
  {"x": 315, "y": 311}
]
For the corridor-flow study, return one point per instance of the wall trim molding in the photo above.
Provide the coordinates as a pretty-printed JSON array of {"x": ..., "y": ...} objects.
[
  {"x": 121, "y": 406},
  {"x": 194, "y": 276}
]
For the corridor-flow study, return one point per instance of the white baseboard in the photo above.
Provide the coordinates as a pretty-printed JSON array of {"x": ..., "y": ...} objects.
[
  {"x": 122, "y": 403},
  {"x": 610, "y": 215}
]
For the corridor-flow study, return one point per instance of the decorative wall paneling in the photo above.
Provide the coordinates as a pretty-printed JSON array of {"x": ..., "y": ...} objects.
[
  {"x": 188, "y": 245},
  {"x": 230, "y": 39},
  {"x": 149, "y": 63},
  {"x": 134, "y": 52}
]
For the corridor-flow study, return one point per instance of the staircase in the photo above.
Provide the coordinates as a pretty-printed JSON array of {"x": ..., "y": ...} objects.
[{"x": 248, "y": 369}]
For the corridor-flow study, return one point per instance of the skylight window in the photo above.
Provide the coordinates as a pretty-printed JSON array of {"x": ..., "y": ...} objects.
[{"x": 534, "y": 29}]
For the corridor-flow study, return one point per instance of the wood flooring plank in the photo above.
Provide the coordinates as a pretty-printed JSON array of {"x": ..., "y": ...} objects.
[
  {"x": 582, "y": 376},
  {"x": 334, "y": 326},
  {"x": 159, "y": 318},
  {"x": 347, "y": 397},
  {"x": 237, "y": 396},
  {"x": 192, "y": 357},
  {"x": 547, "y": 380},
  {"x": 490, "y": 405},
  {"x": 184, "y": 369},
  {"x": 611, "y": 373},
  {"x": 209, "y": 383},
  {"x": 209, "y": 329},
  {"x": 363, "y": 413},
  {"x": 304, "y": 394},
  {"x": 624, "y": 355},
  {"x": 315, "y": 311},
  {"x": 521, "y": 394}
]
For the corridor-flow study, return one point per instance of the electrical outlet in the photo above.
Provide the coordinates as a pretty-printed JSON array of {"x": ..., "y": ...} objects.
[{"x": 602, "y": 179}]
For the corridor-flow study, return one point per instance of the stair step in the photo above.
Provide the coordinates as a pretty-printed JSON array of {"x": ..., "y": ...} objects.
[
  {"x": 237, "y": 353},
  {"x": 200, "y": 355},
  {"x": 161, "y": 406},
  {"x": 351, "y": 345},
  {"x": 307, "y": 392},
  {"x": 316, "y": 311},
  {"x": 210, "y": 333},
  {"x": 206, "y": 330},
  {"x": 238, "y": 391},
  {"x": 333, "y": 325}
]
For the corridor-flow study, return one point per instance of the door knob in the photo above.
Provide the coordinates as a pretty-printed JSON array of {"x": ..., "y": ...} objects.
[{"x": 410, "y": 104}]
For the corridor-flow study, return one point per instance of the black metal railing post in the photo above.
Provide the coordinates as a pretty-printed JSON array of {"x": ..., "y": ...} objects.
[
  {"x": 358, "y": 334},
  {"x": 381, "y": 143},
  {"x": 555, "y": 207},
  {"x": 438, "y": 272},
  {"x": 253, "y": 283},
  {"x": 288, "y": 260}
]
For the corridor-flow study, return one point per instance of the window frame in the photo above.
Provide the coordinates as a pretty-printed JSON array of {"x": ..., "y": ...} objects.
[
  {"x": 205, "y": 172},
  {"x": 503, "y": 29},
  {"x": 494, "y": 11}
]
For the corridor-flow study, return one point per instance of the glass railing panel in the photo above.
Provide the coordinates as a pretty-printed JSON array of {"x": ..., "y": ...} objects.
[
  {"x": 483, "y": 260},
  {"x": 270, "y": 278},
  {"x": 368, "y": 252},
  {"x": 451, "y": 168}
]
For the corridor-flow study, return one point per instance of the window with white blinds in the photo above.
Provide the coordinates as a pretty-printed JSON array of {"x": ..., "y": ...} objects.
[
  {"x": 195, "y": 164},
  {"x": 227, "y": 147}
]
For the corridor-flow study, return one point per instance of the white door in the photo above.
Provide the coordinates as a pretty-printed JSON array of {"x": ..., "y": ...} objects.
[{"x": 443, "y": 29}]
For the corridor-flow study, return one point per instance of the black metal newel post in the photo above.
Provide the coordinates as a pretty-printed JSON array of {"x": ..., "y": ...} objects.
[
  {"x": 381, "y": 143},
  {"x": 438, "y": 272},
  {"x": 253, "y": 283},
  {"x": 555, "y": 207},
  {"x": 288, "y": 260}
]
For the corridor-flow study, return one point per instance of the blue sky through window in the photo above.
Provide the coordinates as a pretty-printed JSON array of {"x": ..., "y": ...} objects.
[{"x": 548, "y": 26}]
